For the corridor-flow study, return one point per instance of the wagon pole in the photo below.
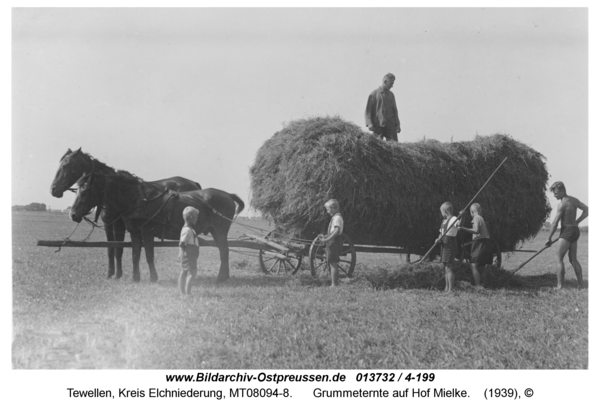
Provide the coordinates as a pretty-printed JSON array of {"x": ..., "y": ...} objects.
[
  {"x": 536, "y": 254},
  {"x": 157, "y": 244},
  {"x": 462, "y": 212}
]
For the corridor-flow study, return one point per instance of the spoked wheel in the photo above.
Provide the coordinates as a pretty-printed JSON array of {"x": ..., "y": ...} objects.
[
  {"x": 279, "y": 262},
  {"x": 319, "y": 267}
]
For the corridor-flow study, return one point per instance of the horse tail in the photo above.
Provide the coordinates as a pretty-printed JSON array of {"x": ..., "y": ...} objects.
[{"x": 239, "y": 204}]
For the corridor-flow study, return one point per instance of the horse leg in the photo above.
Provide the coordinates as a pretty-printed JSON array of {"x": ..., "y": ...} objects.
[
  {"x": 136, "y": 250},
  {"x": 148, "y": 237},
  {"x": 110, "y": 236},
  {"x": 119, "y": 227},
  {"x": 221, "y": 241}
]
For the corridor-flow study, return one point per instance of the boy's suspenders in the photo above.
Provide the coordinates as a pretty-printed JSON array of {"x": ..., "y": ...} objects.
[{"x": 447, "y": 225}]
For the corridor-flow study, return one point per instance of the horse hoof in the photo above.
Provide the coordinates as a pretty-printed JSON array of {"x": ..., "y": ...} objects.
[{"x": 221, "y": 280}]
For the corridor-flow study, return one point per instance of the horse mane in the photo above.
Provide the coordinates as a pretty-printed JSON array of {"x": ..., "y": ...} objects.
[
  {"x": 127, "y": 177},
  {"x": 99, "y": 166}
]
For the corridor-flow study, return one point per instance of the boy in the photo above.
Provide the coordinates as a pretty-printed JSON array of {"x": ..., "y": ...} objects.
[
  {"x": 189, "y": 250},
  {"x": 333, "y": 241},
  {"x": 480, "y": 248},
  {"x": 449, "y": 245}
]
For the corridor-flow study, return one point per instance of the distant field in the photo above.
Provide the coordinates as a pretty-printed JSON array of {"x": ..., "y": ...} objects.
[{"x": 66, "y": 314}]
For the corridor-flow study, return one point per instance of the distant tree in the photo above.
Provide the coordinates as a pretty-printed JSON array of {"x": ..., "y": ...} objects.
[{"x": 35, "y": 207}]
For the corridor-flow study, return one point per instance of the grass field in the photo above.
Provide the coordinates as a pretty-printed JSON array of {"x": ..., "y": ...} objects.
[{"x": 66, "y": 314}]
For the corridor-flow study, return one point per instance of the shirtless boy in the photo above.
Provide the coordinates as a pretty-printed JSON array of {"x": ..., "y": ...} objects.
[{"x": 569, "y": 232}]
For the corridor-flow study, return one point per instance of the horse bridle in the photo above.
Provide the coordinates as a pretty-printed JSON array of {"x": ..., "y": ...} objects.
[
  {"x": 98, "y": 207},
  {"x": 89, "y": 160}
]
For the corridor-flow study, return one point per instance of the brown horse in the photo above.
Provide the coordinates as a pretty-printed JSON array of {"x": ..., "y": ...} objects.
[
  {"x": 149, "y": 211},
  {"x": 73, "y": 165}
]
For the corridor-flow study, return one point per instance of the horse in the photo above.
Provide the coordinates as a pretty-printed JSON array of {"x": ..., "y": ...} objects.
[
  {"x": 73, "y": 164},
  {"x": 149, "y": 212}
]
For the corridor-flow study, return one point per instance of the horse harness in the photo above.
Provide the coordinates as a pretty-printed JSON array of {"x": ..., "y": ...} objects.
[
  {"x": 165, "y": 213},
  {"x": 166, "y": 210}
]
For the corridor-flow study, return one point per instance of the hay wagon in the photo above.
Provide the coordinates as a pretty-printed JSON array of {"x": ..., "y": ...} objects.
[{"x": 389, "y": 193}]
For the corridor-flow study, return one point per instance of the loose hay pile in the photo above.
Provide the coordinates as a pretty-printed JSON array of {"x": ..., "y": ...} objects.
[
  {"x": 431, "y": 276},
  {"x": 390, "y": 193}
]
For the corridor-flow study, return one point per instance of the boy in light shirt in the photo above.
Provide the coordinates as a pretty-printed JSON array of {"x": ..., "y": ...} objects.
[
  {"x": 189, "y": 250},
  {"x": 333, "y": 240}
]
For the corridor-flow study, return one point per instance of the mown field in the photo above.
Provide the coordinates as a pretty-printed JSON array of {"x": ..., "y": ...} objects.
[{"x": 66, "y": 314}]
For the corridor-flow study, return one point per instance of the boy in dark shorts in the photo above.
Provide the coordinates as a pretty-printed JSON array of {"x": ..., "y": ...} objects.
[
  {"x": 566, "y": 214},
  {"x": 449, "y": 246},
  {"x": 189, "y": 251},
  {"x": 481, "y": 251},
  {"x": 333, "y": 240}
]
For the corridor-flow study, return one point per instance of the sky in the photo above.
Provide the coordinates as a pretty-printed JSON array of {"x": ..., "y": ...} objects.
[{"x": 195, "y": 92}]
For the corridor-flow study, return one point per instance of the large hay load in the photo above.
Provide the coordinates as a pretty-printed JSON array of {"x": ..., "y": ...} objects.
[{"x": 390, "y": 193}]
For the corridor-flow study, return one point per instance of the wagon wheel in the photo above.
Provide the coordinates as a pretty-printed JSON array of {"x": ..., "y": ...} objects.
[
  {"x": 319, "y": 267},
  {"x": 272, "y": 261}
]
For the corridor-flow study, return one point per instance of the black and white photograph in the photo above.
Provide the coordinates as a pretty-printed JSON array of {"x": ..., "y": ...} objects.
[{"x": 266, "y": 205}]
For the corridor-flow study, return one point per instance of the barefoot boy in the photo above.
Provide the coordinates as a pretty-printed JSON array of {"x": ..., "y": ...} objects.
[
  {"x": 480, "y": 249},
  {"x": 449, "y": 245},
  {"x": 189, "y": 250},
  {"x": 569, "y": 232},
  {"x": 333, "y": 240}
]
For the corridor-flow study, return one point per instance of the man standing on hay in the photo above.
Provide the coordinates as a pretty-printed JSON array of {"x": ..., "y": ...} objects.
[
  {"x": 569, "y": 232},
  {"x": 381, "y": 114}
]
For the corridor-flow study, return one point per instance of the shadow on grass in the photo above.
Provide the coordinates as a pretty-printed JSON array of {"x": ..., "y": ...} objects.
[
  {"x": 244, "y": 280},
  {"x": 427, "y": 276},
  {"x": 298, "y": 280},
  {"x": 301, "y": 279}
]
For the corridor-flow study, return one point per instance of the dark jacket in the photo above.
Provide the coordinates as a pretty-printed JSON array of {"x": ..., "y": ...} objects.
[{"x": 381, "y": 109}]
